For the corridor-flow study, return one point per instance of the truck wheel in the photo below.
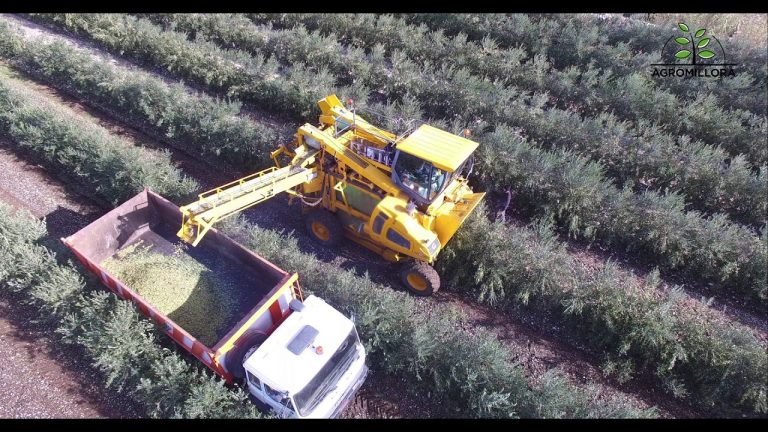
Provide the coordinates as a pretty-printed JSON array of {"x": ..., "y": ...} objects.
[
  {"x": 324, "y": 227},
  {"x": 420, "y": 278},
  {"x": 235, "y": 356}
]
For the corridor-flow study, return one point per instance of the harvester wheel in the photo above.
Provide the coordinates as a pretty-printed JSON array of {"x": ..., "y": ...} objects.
[
  {"x": 420, "y": 278},
  {"x": 235, "y": 356},
  {"x": 324, "y": 227}
]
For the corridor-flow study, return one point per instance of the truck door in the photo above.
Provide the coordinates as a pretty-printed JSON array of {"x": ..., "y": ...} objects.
[
  {"x": 280, "y": 404},
  {"x": 254, "y": 384},
  {"x": 269, "y": 398}
]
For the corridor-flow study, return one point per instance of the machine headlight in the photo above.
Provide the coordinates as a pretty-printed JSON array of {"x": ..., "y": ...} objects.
[{"x": 434, "y": 246}]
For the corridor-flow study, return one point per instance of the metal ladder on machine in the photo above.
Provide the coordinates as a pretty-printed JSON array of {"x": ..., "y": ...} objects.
[{"x": 216, "y": 204}]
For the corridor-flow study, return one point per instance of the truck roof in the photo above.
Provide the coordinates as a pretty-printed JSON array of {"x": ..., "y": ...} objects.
[
  {"x": 276, "y": 359},
  {"x": 444, "y": 149}
]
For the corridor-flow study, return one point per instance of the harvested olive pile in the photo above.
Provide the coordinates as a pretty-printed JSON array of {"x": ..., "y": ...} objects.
[{"x": 179, "y": 287}]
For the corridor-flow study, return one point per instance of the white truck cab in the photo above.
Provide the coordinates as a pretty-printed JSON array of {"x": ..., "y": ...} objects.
[{"x": 311, "y": 366}]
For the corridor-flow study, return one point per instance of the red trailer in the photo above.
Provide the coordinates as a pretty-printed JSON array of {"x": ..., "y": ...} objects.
[{"x": 152, "y": 219}]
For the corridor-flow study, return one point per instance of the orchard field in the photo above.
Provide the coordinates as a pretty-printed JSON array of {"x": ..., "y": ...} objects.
[{"x": 617, "y": 267}]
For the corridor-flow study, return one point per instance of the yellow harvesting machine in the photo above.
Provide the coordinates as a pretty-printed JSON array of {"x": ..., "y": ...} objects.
[{"x": 403, "y": 197}]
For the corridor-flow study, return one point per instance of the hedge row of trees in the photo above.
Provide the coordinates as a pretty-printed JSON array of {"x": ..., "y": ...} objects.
[
  {"x": 741, "y": 92},
  {"x": 636, "y": 326},
  {"x": 616, "y": 44},
  {"x": 122, "y": 346},
  {"x": 590, "y": 206},
  {"x": 574, "y": 190},
  {"x": 504, "y": 238},
  {"x": 212, "y": 129},
  {"x": 585, "y": 89},
  {"x": 257, "y": 80},
  {"x": 433, "y": 368},
  {"x": 458, "y": 372},
  {"x": 101, "y": 165},
  {"x": 689, "y": 248},
  {"x": 643, "y": 151},
  {"x": 438, "y": 359}
]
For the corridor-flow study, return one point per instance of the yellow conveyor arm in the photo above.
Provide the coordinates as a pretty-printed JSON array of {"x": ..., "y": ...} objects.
[{"x": 216, "y": 204}]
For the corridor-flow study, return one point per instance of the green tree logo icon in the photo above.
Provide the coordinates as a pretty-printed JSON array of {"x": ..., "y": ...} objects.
[{"x": 692, "y": 40}]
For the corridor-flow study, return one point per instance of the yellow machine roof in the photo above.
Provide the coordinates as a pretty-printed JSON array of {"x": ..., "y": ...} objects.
[{"x": 444, "y": 149}]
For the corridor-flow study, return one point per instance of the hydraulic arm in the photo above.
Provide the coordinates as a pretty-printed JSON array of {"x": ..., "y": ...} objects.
[{"x": 231, "y": 198}]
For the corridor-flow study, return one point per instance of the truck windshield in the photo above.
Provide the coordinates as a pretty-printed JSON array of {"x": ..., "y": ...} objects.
[
  {"x": 419, "y": 176},
  {"x": 325, "y": 380}
]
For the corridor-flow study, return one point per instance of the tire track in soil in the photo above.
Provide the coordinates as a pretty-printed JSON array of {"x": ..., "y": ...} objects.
[{"x": 539, "y": 350}]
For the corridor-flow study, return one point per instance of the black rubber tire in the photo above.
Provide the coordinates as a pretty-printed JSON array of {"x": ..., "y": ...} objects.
[
  {"x": 423, "y": 271},
  {"x": 234, "y": 358},
  {"x": 333, "y": 228}
]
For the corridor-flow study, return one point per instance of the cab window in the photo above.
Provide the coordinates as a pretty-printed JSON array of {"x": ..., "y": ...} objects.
[
  {"x": 255, "y": 381},
  {"x": 274, "y": 394},
  {"x": 419, "y": 176}
]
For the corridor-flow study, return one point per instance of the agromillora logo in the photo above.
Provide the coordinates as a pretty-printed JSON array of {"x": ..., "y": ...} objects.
[{"x": 693, "y": 54}]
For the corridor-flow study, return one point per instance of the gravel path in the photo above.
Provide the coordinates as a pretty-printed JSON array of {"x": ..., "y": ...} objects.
[
  {"x": 39, "y": 382},
  {"x": 37, "y": 378},
  {"x": 24, "y": 185}
]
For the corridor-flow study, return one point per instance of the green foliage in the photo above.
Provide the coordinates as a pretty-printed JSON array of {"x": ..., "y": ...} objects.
[
  {"x": 569, "y": 188},
  {"x": 255, "y": 79},
  {"x": 646, "y": 152},
  {"x": 613, "y": 43},
  {"x": 573, "y": 189},
  {"x": 721, "y": 366},
  {"x": 118, "y": 343},
  {"x": 463, "y": 373},
  {"x": 430, "y": 349},
  {"x": 453, "y": 91},
  {"x": 195, "y": 123},
  {"x": 297, "y": 46},
  {"x": 616, "y": 67},
  {"x": 580, "y": 404},
  {"x": 103, "y": 165}
]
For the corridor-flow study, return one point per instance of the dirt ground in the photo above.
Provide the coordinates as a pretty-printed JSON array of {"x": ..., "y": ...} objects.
[
  {"x": 41, "y": 381},
  {"x": 37, "y": 378}
]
